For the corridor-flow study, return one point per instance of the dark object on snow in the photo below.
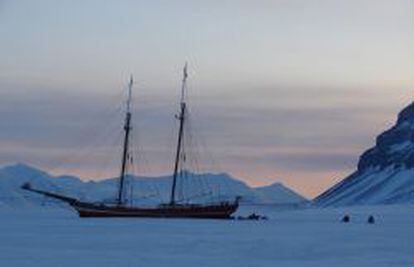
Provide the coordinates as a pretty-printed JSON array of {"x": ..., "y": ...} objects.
[
  {"x": 371, "y": 219},
  {"x": 346, "y": 219},
  {"x": 252, "y": 216}
]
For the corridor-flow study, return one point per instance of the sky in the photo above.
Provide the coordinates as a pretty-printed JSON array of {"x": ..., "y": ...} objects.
[{"x": 289, "y": 91}]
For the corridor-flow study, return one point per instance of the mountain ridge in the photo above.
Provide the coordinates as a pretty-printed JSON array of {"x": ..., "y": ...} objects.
[{"x": 145, "y": 190}]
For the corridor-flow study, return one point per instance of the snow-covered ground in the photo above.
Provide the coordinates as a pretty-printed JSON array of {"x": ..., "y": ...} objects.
[{"x": 309, "y": 237}]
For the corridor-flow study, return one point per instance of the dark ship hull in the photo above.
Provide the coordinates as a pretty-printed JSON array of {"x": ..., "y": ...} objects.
[
  {"x": 214, "y": 211},
  {"x": 222, "y": 210}
]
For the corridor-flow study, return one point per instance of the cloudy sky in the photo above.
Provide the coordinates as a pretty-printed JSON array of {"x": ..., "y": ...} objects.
[{"x": 284, "y": 90}]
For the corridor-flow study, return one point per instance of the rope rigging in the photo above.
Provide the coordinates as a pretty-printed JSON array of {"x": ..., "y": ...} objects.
[{"x": 190, "y": 181}]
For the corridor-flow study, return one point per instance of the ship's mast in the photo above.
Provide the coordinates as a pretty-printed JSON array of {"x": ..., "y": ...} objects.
[
  {"x": 181, "y": 118},
  {"x": 125, "y": 152}
]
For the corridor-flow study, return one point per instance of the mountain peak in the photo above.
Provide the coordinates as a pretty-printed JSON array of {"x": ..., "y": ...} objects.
[
  {"x": 395, "y": 146},
  {"x": 277, "y": 192},
  {"x": 277, "y": 184},
  {"x": 407, "y": 114},
  {"x": 22, "y": 169}
]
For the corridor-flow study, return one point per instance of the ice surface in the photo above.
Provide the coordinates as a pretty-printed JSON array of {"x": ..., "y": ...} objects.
[{"x": 290, "y": 238}]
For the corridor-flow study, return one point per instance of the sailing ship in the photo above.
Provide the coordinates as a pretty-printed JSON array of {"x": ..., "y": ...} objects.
[{"x": 172, "y": 209}]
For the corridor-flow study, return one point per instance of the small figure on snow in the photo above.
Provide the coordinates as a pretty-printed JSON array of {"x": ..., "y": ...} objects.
[
  {"x": 346, "y": 219},
  {"x": 371, "y": 219}
]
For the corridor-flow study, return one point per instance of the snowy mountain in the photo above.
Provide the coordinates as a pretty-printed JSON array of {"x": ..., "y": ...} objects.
[
  {"x": 278, "y": 193},
  {"x": 11, "y": 179},
  {"x": 141, "y": 190},
  {"x": 385, "y": 173}
]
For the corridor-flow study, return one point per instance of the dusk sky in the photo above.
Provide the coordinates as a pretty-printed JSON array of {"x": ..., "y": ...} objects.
[{"x": 289, "y": 91}]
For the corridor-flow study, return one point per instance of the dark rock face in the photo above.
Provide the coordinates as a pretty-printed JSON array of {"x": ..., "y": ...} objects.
[
  {"x": 407, "y": 114},
  {"x": 394, "y": 146}
]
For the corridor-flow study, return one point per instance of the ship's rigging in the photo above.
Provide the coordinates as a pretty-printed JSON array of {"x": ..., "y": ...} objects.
[{"x": 171, "y": 209}]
